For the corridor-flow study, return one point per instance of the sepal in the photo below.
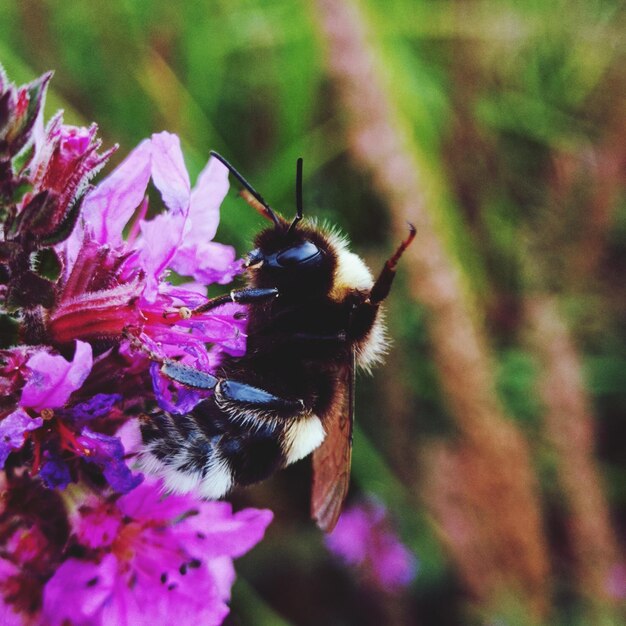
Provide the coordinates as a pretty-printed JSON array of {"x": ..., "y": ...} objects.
[{"x": 19, "y": 108}]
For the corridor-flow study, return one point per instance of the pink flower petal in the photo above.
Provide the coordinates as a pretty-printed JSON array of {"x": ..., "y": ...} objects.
[
  {"x": 169, "y": 173},
  {"x": 53, "y": 379},
  {"x": 12, "y": 430},
  {"x": 215, "y": 531},
  {"x": 130, "y": 436},
  {"x": 223, "y": 572},
  {"x": 206, "y": 198},
  {"x": 160, "y": 238},
  {"x": 207, "y": 261},
  {"x": 197, "y": 255},
  {"x": 169, "y": 571},
  {"x": 78, "y": 590},
  {"x": 108, "y": 208},
  {"x": 148, "y": 501},
  {"x": 97, "y": 526}
]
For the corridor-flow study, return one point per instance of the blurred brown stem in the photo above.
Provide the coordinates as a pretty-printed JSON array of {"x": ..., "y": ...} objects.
[
  {"x": 494, "y": 491},
  {"x": 569, "y": 426}
]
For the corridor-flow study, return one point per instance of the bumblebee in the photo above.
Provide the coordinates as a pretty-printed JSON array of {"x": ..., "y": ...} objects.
[{"x": 314, "y": 316}]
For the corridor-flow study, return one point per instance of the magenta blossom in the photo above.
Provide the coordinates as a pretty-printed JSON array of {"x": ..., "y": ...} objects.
[
  {"x": 65, "y": 159},
  {"x": 89, "y": 314},
  {"x": 50, "y": 381},
  {"x": 152, "y": 560},
  {"x": 133, "y": 294},
  {"x": 13, "y": 429},
  {"x": 364, "y": 539},
  {"x": 53, "y": 379}
]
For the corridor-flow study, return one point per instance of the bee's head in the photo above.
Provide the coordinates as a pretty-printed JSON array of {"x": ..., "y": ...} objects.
[
  {"x": 296, "y": 260},
  {"x": 298, "y": 257},
  {"x": 302, "y": 258},
  {"x": 294, "y": 256}
]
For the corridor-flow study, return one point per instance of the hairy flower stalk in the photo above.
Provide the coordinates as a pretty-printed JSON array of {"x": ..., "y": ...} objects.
[
  {"x": 85, "y": 538},
  {"x": 569, "y": 428},
  {"x": 488, "y": 510}
]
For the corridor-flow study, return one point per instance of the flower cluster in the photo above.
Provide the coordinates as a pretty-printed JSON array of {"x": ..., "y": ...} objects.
[
  {"x": 364, "y": 539},
  {"x": 157, "y": 561},
  {"x": 83, "y": 282}
]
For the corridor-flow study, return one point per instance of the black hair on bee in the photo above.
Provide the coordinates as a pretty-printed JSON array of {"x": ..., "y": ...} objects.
[{"x": 314, "y": 315}]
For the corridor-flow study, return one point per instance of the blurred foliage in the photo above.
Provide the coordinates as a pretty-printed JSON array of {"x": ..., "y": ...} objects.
[{"x": 516, "y": 115}]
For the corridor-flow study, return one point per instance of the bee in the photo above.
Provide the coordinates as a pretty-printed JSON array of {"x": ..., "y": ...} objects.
[{"x": 314, "y": 316}]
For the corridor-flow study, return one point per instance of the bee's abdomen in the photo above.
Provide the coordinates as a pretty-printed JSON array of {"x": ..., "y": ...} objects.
[
  {"x": 211, "y": 450},
  {"x": 204, "y": 452},
  {"x": 176, "y": 449}
]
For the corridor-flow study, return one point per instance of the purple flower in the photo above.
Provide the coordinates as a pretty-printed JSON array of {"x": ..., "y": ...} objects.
[
  {"x": 132, "y": 293},
  {"x": 49, "y": 384},
  {"x": 54, "y": 472},
  {"x": 52, "y": 169},
  {"x": 19, "y": 112},
  {"x": 53, "y": 379},
  {"x": 108, "y": 453},
  {"x": 66, "y": 158},
  {"x": 91, "y": 555},
  {"x": 99, "y": 405},
  {"x": 64, "y": 448},
  {"x": 159, "y": 560},
  {"x": 13, "y": 429},
  {"x": 363, "y": 538}
]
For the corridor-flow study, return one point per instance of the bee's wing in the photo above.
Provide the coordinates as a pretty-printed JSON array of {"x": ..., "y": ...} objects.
[{"x": 331, "y": 461}]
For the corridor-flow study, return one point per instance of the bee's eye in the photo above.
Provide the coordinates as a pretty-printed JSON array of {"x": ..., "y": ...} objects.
[
  {"x": 305, "y": 253},
  {"x": 302, "y": 255}
]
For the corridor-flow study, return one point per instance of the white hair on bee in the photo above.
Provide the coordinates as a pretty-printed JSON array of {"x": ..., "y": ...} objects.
[
  {"x": 218, "y": 479},
  {"x": 213, "y": 482},
  {"x": 373, "y": 350},
  {"x": 302, "y": 437},
  {"x": 352, "y": 274}
]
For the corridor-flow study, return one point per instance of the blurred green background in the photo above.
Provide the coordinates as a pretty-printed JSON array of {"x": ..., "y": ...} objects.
[{"x": 514, "y": 112}]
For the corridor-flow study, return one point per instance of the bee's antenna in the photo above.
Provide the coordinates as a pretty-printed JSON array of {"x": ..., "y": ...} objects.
[
  {"x": 381, "y": 287},
  {"x": 298, "y": 216},
  {"x": 249, "y": 193}
]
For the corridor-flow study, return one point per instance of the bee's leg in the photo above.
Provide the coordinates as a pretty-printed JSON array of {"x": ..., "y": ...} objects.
[
  {"x": 189, "y": 376},
  {"x": 246, "y": 295},
  {"x": 268, "y": 423},
  {"x": 240, "y": 398},
  {"x": 234, "y": 397}
]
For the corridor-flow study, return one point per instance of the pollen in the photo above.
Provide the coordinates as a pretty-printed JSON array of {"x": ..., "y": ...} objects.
[
  {"x": 47, "y": 414},
  {"x": 184, "y": 312}
]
